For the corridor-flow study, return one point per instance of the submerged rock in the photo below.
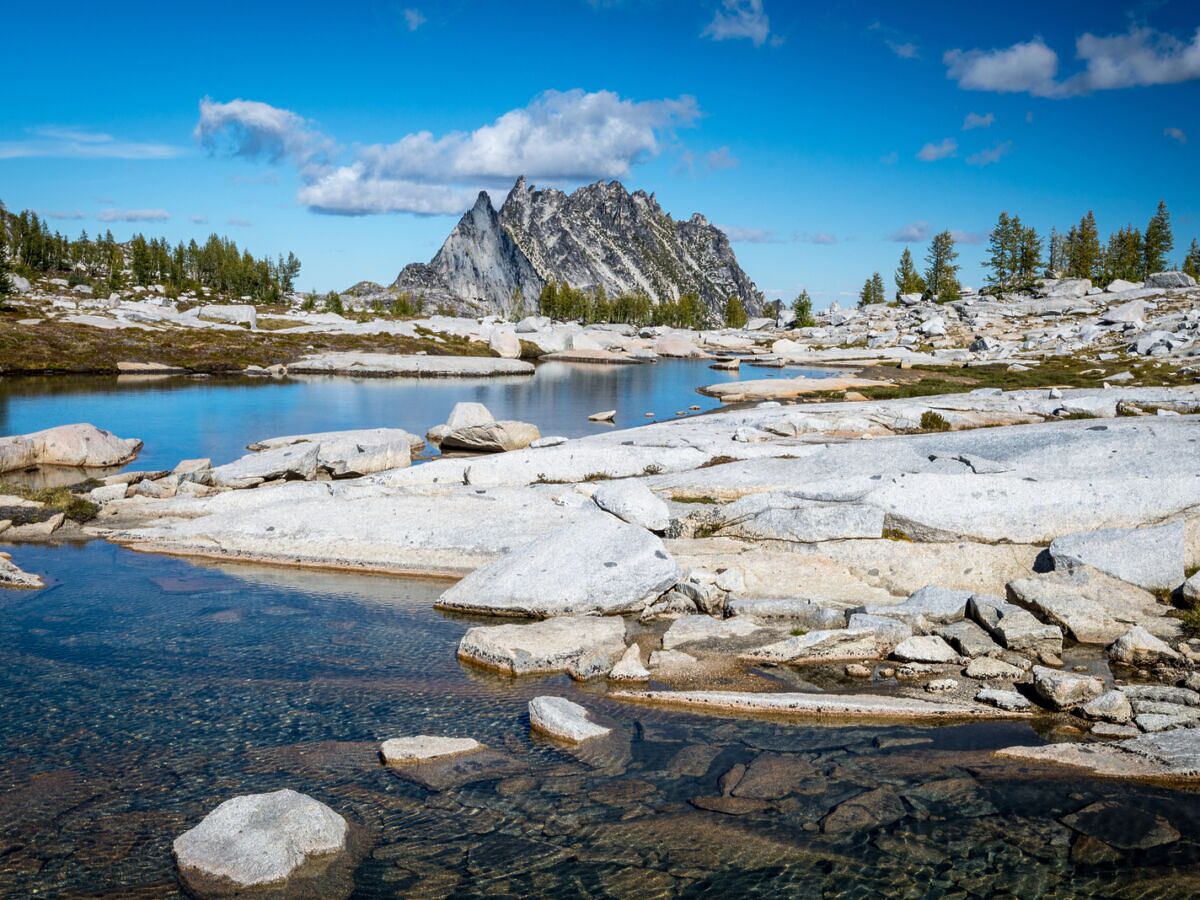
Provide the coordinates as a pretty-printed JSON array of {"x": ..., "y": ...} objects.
[
  {"x": 603, "y": 566},
  {"x": 423, "y": 748},
  {"x": 257, "y": 840},
  {"x": 562, "y": 719}
]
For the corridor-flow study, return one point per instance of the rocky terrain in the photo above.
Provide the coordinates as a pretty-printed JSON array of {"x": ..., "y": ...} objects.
[{"x": 599, "y": 236}]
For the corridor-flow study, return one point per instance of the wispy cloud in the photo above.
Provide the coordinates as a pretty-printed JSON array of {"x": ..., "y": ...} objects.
[
  {"x": 974, "y": 120},
  {"x": 900, "y": 43},
  {"x": 736, "y": 19},
  {"x": 569, "y": 136},
  {"x": 238, "y": 222},
  {"x": 721, "y": 158},
  {"x": 63, "y": 214},
  {"x": 932, "y": 152},
  {"x": 904, "y": 50},
  {"x": 58, "y": 142},
  {"x": 911, "y": 233},
  {"x": 413, "y": 19},
  {"x": 1176, "y": 134},
  {"x": 199, "y": 220},
  {"x": 133, "y": 215},
  {"x": 740, "y": 235},
  {"x": 816, "y": 237},
  {"x": 1138, "y": 58},
  {"x": 992, "y": 155},
  {"x": 967, "y": 237}
]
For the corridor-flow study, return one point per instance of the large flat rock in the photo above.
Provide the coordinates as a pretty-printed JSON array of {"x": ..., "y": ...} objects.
[
  {"x": 550, "y": 646},
  {"x": 605, "y": 567},
  {"x": 1151, "y": 557},
  {"x": 81, "y": 446},
  {"x": 867, "y": 706},
  {"x": 385, "y": 365},
  {"x": 1169, "y": 755}
]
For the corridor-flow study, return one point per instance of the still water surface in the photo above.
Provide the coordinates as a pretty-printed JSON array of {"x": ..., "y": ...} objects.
[{"x": 137, "y": 692}]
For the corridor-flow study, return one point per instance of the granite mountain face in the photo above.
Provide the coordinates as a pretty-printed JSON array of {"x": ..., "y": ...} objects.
[{"x": 599, "y": 236}]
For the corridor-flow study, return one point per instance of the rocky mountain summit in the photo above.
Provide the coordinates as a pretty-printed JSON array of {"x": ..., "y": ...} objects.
[{"x": 600, "y": 236}]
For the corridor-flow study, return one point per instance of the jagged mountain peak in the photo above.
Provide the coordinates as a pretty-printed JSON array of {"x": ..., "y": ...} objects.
[{"x": 599, "y": 235}]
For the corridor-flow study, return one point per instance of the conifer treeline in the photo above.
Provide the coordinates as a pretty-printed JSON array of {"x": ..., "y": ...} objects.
[{"x": 29, "y": 247}]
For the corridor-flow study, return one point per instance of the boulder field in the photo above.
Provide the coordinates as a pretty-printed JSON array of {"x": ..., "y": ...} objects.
[{"x": 958, "y": 567}]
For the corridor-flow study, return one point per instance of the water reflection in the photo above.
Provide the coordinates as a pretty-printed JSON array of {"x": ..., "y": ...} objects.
[{"x": 186, "y": 417}]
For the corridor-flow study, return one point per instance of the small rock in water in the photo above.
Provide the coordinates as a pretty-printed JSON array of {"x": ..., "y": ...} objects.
[
  {"x": 562, "y": 719},
  {"x": 1007, "y": 700},
  {"x": 422, "y": 747},
  {"x": 257, "y": 839},
  {"x": 629, "y": 667},
  {"x": 606, "y": 416}
]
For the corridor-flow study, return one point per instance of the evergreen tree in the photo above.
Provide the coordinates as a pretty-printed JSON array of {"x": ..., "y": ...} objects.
[
  {"x": 735, "y": 313},
  {"x": 802, "y": 307},
  {"x": 1083, "y": 249},
  {"x": 908, "y": 279},
  {"x": 1191, "y": 262},
  {"x": 1158, "y": 242},
  {"x": 1002, "y": 249},
  {"x": 941, "y": 272},
  {"x": 6, "y": 285},
  {"x": 1057, "y": 251},
  {"x": 864, "y": 295},
  {"x": 1028, "y": 258},
  {"x": 1123, "y": 257},
  {"x": 548, "y": 300}
]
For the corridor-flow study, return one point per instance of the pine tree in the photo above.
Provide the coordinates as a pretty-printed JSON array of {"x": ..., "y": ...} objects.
[
  {"x": 548, "y": 300},
  {"x": 865, "y": 296},
  {"x": 1057, "y": 254},
  {"x": 1002, "y": 243},
  {"x": 1123, "y": 257},
  {"x": 803, "y": 308},
  {"x": 6, "y": 285},
  {"x": 1028, "y": 256},
  {"x": 1191, "y": 262},
  {"x": 1158, "y": 242},
  {"x": 941, "y": 273},
  {"x": 735, "y": 313},
  {"x": 908, "y": 279},
  {"x": 878, "y": 291},
  {"x": 1083, "y": 249}
]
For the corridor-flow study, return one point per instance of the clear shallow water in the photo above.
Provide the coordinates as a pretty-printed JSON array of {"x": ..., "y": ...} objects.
[
  {"x": 182, "y": 418},
  {"x": 139, "y": 691}
]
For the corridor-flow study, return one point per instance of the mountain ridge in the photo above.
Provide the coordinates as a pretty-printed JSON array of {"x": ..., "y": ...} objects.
[{"x": 600, "y": 236}]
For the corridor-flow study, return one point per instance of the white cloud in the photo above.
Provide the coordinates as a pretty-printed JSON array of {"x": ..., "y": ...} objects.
[
  {"x": 966, "y": 237},
  {"x": 932, "y": 152},
  {"x": 63, "y": 214},
  {"x": 750, "y": 235},
  {"x": 1176, "y": 134},
  {"x": 199, "y": 220},
  {"x": 721, "y": 158},
  {"x": 54, "y": 142},
  {"x": 991, "y": 155},
  {"x": 1025, "y": 66},
  {"x": 904, "y": 50},
  {"x": 133, "y": 215},
  {"x": 974, "y": 120},
  {"x": 911, "y": 233},
  {"x": 1138, "y": 58},
  {"x": 413, "y": 19},
  {"x": 560, "y": 136},
  {"x": 817, "y": 237},
  {"x": 239, "y": 222},
  {"x": 739, "y": 19}
]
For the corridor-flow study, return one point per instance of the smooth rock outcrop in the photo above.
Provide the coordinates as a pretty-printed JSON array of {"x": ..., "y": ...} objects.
[
  {"x": 258, "y": 839},
  {"x": 927, "y": 648},
  {"x": 868, "y": 706},
  {"x": 1150, "y": 557},
  {"x": 819, "y": 646},
  {"x": 559, "y": 718},
  {"x": 634, "y": 503},
  {"x": 1091, "y": 606},
  {"x": 12, "y": 576},
  {"x": 783, "y": 517},
  {"x": 292, "y": 461},
  {"x": 494, "y": 437},
  {"x": 389, "y": 365},
  {"x": 1173, "y": 755},
  {"x": 690, "y": 631},
  {"x": 549, "y": 646},
  {"x": 604, "y": 567}
]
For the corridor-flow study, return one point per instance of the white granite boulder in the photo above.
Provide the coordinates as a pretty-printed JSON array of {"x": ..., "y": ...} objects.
[
  {"x": 1065, "y": 690},
  {"x": 633, "y": 502},
  {"x": 81, "y": 446},
  {"x": 1137, "y": 647},
  {"x": 259, "y": 839},
  {"x": 493, "y": 437},
  {"x": 599, "y": 566},
  {"x": 421, "y": 748},
  {"x": 294, "y": 461},
  {"x": 559, "y": 718},
  {"x": 550, "y": 646}
]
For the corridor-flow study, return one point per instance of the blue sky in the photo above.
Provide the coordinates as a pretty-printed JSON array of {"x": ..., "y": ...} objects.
[{"x": 821, "y": 138}]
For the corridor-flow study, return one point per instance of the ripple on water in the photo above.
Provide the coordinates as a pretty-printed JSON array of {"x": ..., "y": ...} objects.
[{"x": 142, "y": 690}]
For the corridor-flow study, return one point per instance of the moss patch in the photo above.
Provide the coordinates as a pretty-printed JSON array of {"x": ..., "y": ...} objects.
[{"x": 67, "y": 500}]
